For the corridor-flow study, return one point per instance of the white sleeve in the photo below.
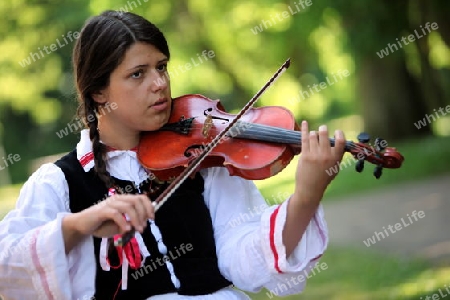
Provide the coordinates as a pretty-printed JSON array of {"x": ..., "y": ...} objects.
[
  {"x": 248, "y": 237},
  {"x": 33, "y": 262}
]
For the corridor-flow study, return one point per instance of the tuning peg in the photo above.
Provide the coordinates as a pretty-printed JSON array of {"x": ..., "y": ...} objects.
[
  {"x": 359, "y": 167},
  {"x": 378, "y": 171},
  {"x": 380, "y": 144},
  {"x": 363, "y": 137}
]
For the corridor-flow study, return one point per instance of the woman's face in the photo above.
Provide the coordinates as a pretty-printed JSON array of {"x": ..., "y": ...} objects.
[{"x": 138, "y": 94}]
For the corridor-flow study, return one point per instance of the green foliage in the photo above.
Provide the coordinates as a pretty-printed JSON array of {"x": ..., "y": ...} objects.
[{"x": 38, "y": 99}]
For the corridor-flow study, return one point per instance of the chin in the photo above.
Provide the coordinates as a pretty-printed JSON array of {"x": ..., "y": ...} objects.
[
  {"x": 165, "y": 120},
  {"x": 154, "y": 126}
]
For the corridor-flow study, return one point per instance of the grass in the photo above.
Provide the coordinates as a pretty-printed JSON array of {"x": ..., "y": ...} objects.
[
  {"x": 355, "y": 273},
  {"x": 423, "y": 158}
]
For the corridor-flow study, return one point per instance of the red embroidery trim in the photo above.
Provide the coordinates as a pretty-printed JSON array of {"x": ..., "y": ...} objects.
[
  {"x": 39, "y": 268},
  {"x": 273, "y": 218},
  {"x": 85, "y": 159},
  {"x": 88, "y": 157}
]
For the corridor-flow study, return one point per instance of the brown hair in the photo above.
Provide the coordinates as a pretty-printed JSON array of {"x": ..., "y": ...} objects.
[{"x": 100, "y": 48}]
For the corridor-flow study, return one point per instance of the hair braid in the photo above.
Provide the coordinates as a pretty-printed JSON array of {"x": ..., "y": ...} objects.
[{"x": 99, "y": 149}]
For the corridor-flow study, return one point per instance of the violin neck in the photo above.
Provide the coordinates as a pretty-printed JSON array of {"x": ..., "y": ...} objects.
[{"x": 272, "y": 134}]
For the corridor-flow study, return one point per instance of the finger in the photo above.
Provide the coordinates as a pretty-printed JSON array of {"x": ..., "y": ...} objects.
[
  {"x": 313, "y": 142},
  {"x": 339, "y": 144},
  {"x": 324, "y": 142},
  {"x": 146, "y": 208},
  {"x": 305, "y": 137},
  {"x": 117, "y": 217},
  {"x": 149, "y": 208},
  {"x": 127, "y": 208},
  {"x": 138, "y": 201}
]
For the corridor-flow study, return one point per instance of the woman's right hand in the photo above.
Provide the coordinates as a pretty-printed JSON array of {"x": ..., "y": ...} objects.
[{"x": 106, "y": 218}]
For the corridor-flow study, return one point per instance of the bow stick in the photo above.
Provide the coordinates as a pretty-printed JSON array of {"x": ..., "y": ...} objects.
[{"x": 176, "y": 183}]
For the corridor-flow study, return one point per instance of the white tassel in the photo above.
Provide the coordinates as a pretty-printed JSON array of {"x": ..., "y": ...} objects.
[
  {"x": 124, "y": 272},
  {"x": 163, "y": 250},
  {"x": 142, "y": 248},
  {"x": 103, "y": 254}
]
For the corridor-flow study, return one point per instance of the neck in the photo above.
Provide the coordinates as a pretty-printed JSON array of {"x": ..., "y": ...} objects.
[{"x": 119, "y": 138}]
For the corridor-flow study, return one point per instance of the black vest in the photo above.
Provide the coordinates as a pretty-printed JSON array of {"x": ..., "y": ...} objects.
[{"x": 183, "y": 219}]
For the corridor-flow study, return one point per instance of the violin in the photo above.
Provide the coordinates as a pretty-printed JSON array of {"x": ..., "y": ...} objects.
[
  {"x": 257, "y": 143},
  {"x": 258, "y": 146}
]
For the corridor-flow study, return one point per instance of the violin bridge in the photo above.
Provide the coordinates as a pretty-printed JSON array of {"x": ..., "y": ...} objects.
[{"x": 207, "y": 126}]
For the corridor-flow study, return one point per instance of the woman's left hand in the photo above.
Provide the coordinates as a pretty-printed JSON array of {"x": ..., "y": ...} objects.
[{"x": 318, "y": 163}]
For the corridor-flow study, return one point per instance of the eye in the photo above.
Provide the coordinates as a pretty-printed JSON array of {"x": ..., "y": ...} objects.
[
  {"x": 162, "y": 67},
  {"x": 137, "y": 74}
]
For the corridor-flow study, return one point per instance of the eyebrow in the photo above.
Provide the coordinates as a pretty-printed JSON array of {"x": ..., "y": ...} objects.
[
  {"x": 138, "y": 66},
  {"x": 165, "y": 59}
]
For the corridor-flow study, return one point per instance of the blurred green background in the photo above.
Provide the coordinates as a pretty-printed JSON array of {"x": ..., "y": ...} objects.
[{"x": 390, "y": 83}]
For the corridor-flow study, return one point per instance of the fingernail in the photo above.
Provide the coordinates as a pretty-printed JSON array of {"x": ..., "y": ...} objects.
[
  {"x": 323, "y": 128},
  {"x": 312, "y": 133}
]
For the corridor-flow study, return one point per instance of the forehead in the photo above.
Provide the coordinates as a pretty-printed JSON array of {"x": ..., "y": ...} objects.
[{"x": 141, "y": 54}]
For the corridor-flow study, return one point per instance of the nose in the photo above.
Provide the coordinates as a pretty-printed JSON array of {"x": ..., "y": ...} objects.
[{"x": 159, "y": 81}]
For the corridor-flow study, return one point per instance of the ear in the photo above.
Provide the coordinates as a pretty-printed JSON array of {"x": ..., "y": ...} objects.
[{"x": 100, "y": 97}]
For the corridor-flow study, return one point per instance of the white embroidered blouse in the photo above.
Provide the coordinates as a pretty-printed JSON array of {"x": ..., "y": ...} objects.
[{"x": 248, "y": 235}]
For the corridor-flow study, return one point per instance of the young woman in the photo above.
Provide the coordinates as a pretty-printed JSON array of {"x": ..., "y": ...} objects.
[{"x": 207, "y": 239}]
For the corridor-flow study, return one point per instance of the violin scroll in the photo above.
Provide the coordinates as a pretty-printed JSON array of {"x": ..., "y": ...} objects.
[{"x": 380, "y": 154}]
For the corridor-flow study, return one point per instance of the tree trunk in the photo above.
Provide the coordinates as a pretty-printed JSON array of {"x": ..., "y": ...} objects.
[
  {"x": 390, "y": 100},
  {"x": 4, "y": 174},
  {"x": 430, "y": 77}
]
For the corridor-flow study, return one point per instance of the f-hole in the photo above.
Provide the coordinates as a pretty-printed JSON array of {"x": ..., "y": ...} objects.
[{"x": 207, "y": 112}]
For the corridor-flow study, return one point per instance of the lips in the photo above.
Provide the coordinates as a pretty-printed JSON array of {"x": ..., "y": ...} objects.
[
  {"x": 161, "y": 104},
  {"x": 160, "y": 101}
]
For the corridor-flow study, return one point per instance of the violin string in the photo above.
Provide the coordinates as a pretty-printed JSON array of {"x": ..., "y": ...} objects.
[
  {"x": 275, "y": 133},
  {"x": 281, "y": 135}
]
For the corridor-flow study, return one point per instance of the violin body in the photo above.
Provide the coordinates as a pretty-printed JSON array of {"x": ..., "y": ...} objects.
[
  {"x": 196, "y": 120},
  {"x": 257, "y": 146}
]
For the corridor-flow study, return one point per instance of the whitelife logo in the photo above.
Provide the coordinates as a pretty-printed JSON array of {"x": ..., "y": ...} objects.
[
  {"x": 11, "y": 159},
  {"x": 398, "y": 226},
  {"x": 280, "y": 16},
  {"x": 49, "y": 49},
  {"x": 411, "y": 38}
]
